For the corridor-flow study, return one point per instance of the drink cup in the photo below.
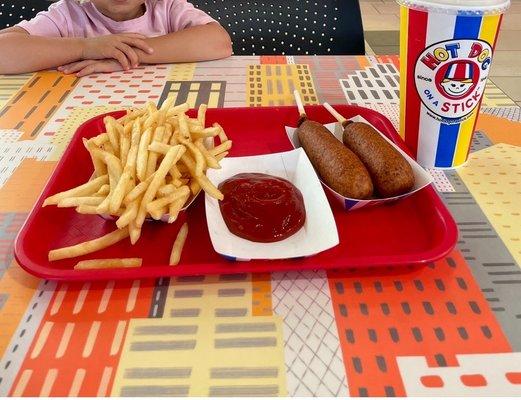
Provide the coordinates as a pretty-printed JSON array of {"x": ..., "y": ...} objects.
[{"x": 446, "y": 50}]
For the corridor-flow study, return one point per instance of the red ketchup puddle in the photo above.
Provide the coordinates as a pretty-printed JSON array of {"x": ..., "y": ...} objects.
[{"x": 261, "y": 208}]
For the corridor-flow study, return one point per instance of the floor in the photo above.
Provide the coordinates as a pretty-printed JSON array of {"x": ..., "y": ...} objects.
[{"x": 382, "y": 23}]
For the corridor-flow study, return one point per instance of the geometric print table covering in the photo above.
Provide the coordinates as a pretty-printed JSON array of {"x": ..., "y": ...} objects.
[{"x": 448, "y": 328}]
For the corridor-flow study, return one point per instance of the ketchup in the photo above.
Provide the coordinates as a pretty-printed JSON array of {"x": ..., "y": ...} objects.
[{"x": 262, "y": 208}]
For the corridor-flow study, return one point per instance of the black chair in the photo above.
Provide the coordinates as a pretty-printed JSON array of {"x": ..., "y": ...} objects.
[
  {"x": 14, "y": 11},
  {"x": 268, "y": 27}
]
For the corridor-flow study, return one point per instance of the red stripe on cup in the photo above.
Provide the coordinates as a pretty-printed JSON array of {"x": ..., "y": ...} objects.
[{"x": 416, "y": 44}]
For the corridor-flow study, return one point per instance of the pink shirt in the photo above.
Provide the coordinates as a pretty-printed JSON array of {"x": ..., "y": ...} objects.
[{"x": 68, "y": 18}]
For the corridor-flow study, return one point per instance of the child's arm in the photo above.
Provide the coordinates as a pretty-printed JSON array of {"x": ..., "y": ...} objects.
[
  {"x": 22, "y": 52},
  {"x": 197, "y": 43}
]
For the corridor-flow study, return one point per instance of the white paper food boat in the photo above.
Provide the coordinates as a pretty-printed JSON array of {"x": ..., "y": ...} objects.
[
  {"x": 422, "y": 178},
  {"x": 319, "y": 232}
]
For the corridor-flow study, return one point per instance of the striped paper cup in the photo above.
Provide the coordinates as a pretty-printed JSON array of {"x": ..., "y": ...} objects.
[{"x": 446, "y": 49}]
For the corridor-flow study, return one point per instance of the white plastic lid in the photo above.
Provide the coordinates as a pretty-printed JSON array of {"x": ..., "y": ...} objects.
[{"x": 479, "y": 7}]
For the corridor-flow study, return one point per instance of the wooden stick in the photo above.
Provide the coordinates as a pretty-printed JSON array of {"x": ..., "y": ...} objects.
[
  {"x": 336, "y": 114},
  {"x": 300, "y": 106}
]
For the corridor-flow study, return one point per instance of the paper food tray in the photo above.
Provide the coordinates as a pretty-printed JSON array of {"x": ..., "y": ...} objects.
[
  {"x": 319, "y": 232},
  {"x": 422, "y": 178}
]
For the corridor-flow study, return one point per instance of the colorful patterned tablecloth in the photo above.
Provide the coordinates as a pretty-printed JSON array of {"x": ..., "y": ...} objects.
[{"x": 450, "y": 328}]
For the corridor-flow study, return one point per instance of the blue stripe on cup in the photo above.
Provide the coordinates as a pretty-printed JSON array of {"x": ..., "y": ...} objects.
[
  {"x": 467, "y": 27},
  {"x": 446, "y": 145}
]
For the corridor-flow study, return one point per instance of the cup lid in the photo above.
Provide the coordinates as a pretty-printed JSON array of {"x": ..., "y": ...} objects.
[{"x": 460, "y": 6}]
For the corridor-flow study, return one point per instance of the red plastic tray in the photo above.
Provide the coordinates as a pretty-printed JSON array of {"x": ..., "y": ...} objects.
[{"x": 415, "y": 230}]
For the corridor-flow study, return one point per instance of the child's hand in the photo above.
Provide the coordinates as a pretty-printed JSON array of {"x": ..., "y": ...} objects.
[
  {"x": 119, "y": 47},
  {"x": 86, "y": 67}
]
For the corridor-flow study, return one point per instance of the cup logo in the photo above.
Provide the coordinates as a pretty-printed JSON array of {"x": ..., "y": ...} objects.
[
  {"x": 456, "y": 79},
  {"x": 450, "y": 77}
]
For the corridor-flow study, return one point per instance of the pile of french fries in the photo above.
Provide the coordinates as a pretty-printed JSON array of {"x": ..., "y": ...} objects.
[{"x": 149, "y": 163}]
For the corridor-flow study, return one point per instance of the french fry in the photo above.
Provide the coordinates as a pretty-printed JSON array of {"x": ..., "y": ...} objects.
[
  {"x": 138, "y": 190},
  {"x": 177, "y": 183},
  {"x": 167, "y": 162},
  {"x": 132, "y": 115},
  {"x": 84, "y": 209},
  {"x": 152, "y": 157},
  {"x": 157, "y": 214},
  {"x": 224, "y": 146},
  {"x": 167, "y": 103},
  {"x": 109, "y": 263},
  {"x": 114, "y": 168},
  {"x": 100, "y": 167},
  {"x": 189, "y": 164},
  {"x": 142, "y": 154},
  {"x": 209, "y": 187},
  {"x": 83, "y": 190},
  {"x": 194, "y": 125},
  {"x": 222, "y": 134},
  {"x": 179, "y": 243},
  {"x": 88, "y": 247},
  {"x": 129, "y": 214},
  {"x": 209, "y": 142},
  {"x": 168, "y": 133},
  {"x": 151, "y": 107},
  {"x": 179, "y": 109},
  {"x": 174, "y": 138},
  {"x": 201, "y": 114},
  {"x": 130, "y": 166},
  {"x": 127, "y": 128},
  {"x": 108, "y": 148},
  {"x": 220, "y": 156},
  {"x": 166, "y": 200},
  {"x": 119, "y": 128},
  {"x": 210, "y": 160},
  {"x": 175, "y": 207},
  {"x": 166, "y": 190},
  {"x": 112, "y": 133},
  {"x": 160, "y": 148},
  {"x": 76, "y": 201},
  {"x": 121, "y": 120},
  {"x": 89, "y": 145},
  {"x": 212, "y": 131},
  {"x": 200, "y": 162},
  {"x": 195, "y": 188},
  {"x": 135, "y": 232},
  {"x": 100, "y": 139},
  {"x": 184, "y": 132},
  {"x": 103, "y": 207},
  {"x": 151, "y": 120},
  {"x": 123, "y": 186},
  {"x": 161, "y": 119},
  {"x": 103, "y": 191},
  {"x": 174, "y": 171},
  {"x": 172, "y": 120},
  {"x": 204, "y": 133},
  {"x": 124, "y": 147},
  {"x": 114, "y": 172}
]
